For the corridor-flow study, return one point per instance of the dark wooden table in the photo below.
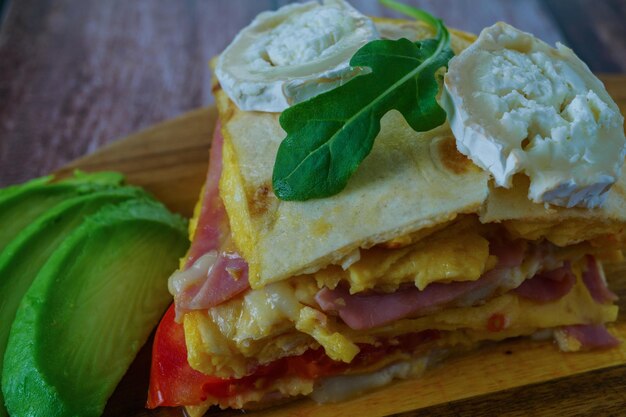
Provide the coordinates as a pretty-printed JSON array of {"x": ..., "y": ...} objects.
[{"x": 76, "y": 74}]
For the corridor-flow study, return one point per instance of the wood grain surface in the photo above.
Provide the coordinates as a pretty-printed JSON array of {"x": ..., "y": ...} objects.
[
  {"x": 77, "y": 74},
  {"x": 515, "y": 378}
]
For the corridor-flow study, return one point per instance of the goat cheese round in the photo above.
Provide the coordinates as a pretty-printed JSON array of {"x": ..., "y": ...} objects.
[
  {"x": 292, "y": 54},
  {"x": 517, "y": 105}
]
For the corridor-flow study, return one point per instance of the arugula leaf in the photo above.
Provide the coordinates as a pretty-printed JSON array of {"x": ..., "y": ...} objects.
[{"x": 329, "y": 135}]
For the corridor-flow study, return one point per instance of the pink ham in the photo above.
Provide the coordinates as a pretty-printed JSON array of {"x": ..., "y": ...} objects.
[
  {"x": 592, "y": 336},
  {"x": 595, "y": 282},
  {"x": 548, "y": 285},
  {"x": 365, "y": 311},
  {"x": 228, "y": 276},
  {"x": 509, "y": 254},
  {"x": 212, "y": 229}
]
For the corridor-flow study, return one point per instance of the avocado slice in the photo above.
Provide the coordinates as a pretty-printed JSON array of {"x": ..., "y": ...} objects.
[
  {"x": 30, "y": 249},
  {"x": 21, "y": 204},
  {"x": 90, "y": 309}
]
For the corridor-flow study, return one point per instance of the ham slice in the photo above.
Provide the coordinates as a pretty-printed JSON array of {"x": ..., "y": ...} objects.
[
  {"x": 596, "y": 283},
  {"x": 212, "y": 274},
  {"x": 211, "y": 280},
  {"x": 509, "y": 254},
  {"x": 548, "y": 285},
  {"x": 592, "y": 336},
  {"x": 365, "y": 311},
  {"x": 212, "y": 229},
  {"x": 226, "y": 278}
]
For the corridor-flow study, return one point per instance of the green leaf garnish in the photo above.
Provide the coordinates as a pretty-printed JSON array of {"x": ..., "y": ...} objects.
[{"x": 329, "y": 135}]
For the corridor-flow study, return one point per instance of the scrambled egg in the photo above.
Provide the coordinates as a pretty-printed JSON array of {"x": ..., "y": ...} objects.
[
  {"x": 259, "y": 328},
  {"x": 459, "y": 252},
  {"x": 337, "y": 346}
]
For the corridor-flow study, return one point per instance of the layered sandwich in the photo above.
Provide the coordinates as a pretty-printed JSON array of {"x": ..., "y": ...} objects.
[{"x": 491, "y": 222}]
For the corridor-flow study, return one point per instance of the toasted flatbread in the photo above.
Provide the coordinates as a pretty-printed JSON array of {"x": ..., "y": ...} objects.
[{"x": 562, "y": 226}]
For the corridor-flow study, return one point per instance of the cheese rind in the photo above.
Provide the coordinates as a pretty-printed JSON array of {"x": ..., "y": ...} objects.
[
  {"x": 293, "y": 54},
  {"x": 516, "y": 105}
]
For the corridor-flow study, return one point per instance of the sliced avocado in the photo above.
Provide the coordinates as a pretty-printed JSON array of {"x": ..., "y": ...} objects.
[
  {"x": 26, "y": 254},
  {"x": 11, "y": 190},
  {"x": 90, "y": 309},
  {"x": 21, "y": 204}
]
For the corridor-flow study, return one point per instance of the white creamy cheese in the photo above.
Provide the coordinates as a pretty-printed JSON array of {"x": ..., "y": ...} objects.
[
  {"x": 292, "y": 54},
  {"x": 517, "y": 105}
]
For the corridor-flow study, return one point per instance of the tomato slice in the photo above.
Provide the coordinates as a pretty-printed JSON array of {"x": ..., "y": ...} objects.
[{"x": 172, "y": 381}]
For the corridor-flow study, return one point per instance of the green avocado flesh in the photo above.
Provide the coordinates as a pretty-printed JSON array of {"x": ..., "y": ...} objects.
[
  {"x": 90, "y": 309},
  {"x": 24, "y": 256},
  {"x": 21, "y": 204}
]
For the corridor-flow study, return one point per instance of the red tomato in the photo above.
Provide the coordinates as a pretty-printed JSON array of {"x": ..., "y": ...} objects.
[{"x": 172, "y": 381}]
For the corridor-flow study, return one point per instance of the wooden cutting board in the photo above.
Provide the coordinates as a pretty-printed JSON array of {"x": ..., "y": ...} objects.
[{"x": 513, "y": 378}]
